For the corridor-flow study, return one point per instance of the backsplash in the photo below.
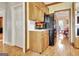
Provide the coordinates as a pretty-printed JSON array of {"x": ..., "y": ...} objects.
[{"x": 31, "y": 25}]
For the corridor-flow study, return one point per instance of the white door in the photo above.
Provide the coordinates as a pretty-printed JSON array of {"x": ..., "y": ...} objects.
[{"x": 18, "y": 26}]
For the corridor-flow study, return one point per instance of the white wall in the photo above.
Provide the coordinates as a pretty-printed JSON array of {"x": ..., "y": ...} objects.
[
  {"x": 3, "y": 11},
  {"x": 8, "y": 19},
  {"x": 2, "y": 5},
  {"x": 61, "y": 6}
]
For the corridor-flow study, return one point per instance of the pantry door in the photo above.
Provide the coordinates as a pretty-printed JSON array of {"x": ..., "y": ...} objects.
[{"x": 18, "y": 26}]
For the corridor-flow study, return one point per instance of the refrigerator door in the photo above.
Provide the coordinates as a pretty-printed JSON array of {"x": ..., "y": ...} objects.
[
  {"x": 51, "y": 38},
  {"x": 50, "y": 26}
]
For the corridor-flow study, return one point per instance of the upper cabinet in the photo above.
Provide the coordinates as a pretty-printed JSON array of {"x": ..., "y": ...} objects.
[
  {"x": 31, "y": 11},
  {"x": 37, "y": 11}
]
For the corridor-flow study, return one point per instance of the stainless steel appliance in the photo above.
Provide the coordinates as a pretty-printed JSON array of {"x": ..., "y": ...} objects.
[{"x": 49, "y": 19}]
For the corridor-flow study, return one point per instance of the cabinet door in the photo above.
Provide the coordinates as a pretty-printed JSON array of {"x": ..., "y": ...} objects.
[
  {"x": 32, "y": 41},
  {"x": 31, "y": 11},
  {"x": 39, "y": 14},
  {"x": 36, "y": 12},
  {"x": 46, "y": 10},
  {"x": 42, "y": 15},
  {"x": 35, "y": 41},
  {"x": 76, "y": 42},
  {"x": 45, "y": 40}
]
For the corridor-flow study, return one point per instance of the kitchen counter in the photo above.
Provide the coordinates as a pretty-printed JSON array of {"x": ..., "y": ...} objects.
[
  {"x": 39, "y": 30},
  {"x": 39, "y": 40}
]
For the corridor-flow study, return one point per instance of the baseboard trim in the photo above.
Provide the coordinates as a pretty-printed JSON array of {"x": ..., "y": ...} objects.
[
  {"x": 8, "y": 43},
  {"x": 27, "y": 50}
]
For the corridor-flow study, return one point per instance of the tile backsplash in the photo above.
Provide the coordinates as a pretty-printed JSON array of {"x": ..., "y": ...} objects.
[{"x": 31, "y": 25}]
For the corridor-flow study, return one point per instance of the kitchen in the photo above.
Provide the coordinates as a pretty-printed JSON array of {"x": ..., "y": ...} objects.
[
  {"x": 41, "y": 27},
  {"x": 51, "y": 29}
]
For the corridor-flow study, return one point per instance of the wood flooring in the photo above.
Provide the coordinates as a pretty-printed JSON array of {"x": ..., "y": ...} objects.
[{"x": 62, "y": 47}]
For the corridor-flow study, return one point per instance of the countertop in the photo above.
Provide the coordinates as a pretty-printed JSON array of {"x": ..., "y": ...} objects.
[{"x": 39, "y": 30}]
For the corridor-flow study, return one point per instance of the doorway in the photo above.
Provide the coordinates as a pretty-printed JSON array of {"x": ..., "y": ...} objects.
[
  {"x": 1, "y": 34},
  {"x": 1, "y": 29},
  {"x": 63, "y": 29},
  {"x": 18, "y": 26},
  {"x": 63, "y": 22}
]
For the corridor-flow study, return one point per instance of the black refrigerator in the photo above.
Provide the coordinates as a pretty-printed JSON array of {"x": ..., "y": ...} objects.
[{"x": 49, "y": 20}]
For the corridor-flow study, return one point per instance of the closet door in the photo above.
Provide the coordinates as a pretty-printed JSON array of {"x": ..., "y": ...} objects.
[{"x": 18, "y": 13}]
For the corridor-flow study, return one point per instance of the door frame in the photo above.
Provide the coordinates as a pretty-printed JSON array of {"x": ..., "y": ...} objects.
[
  {"x": 4, "y": 32},
  {"x": 70, "y": 32},
  {"x": 13, "y": 22}
]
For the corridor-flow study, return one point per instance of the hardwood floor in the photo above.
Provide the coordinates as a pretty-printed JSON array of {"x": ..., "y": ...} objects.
[
  {"x": 61, "y": 48},
  {"x": 11, "y": 50},
  {"x": 74, "y": 51}
]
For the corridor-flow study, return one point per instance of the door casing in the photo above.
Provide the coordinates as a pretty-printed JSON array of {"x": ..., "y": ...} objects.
[{"x": 13, "y": 22}]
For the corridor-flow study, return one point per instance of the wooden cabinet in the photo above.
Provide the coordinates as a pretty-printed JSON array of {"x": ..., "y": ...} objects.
[
  {"x": 76, "y": 42},
  {"x": 31, "y": 11},
  {"x": 40, "y": 15},
  {"x": 37, "y": 11},
  {"x": 46, "y": 10},
  {"x": 45, "y": 39},
  {"x": 35, "y": 43},
  {"x": 39, "y": 41}
]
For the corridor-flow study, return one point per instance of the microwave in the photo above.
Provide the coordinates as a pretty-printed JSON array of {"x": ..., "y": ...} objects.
[{"x": 40, "y": 25}]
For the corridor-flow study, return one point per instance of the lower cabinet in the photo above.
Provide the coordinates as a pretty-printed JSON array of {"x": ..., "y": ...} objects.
[
  {"x": 45, "y": 35},
  {"x": 39, "y": 40},
  {"x": 76, "y": 42}
]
